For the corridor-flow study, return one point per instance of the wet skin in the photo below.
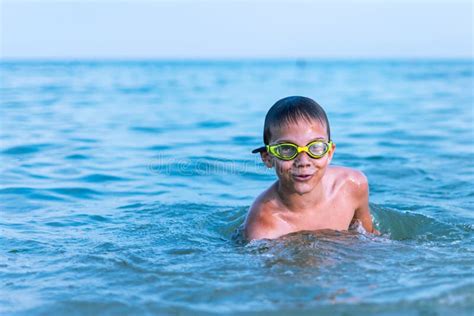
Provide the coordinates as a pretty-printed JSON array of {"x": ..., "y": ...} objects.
[{"x": 309, "y": 194}]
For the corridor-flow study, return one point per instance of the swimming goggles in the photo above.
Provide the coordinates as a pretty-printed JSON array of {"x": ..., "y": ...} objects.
[{"x": 289, "y": 151}]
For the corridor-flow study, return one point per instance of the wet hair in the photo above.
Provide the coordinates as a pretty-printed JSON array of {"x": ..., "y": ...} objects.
[{"x": 292, "y": 110}]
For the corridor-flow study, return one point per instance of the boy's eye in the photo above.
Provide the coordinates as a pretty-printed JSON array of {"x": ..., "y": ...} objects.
[
  {"x": 318, "y": 148},
  {"x": 286, "y": 150}
]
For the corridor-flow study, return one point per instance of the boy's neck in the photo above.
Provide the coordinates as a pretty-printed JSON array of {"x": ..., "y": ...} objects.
[{"x": 299, "y": 202}]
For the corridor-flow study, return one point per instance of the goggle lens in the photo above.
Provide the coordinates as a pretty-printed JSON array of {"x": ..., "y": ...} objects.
[
  {"x": 318, "y": 149},
  {"x": 286, "y": 151}
]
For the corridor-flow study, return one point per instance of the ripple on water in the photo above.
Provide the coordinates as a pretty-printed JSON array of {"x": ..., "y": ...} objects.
[
  {"x": 159, "y": 147},
  {"x": 77, "y": 220},
  {"x": 147, "y": 129},
  {"x": 31, "y": 193},
  {"x": 99, "y": 178},
  {"x": 77, "y": 157},
  {"x": 26, "y": 149},
  {"x": 84, "y": 140},
  {"x": 415, "y": 226},
  {"x": 77, "y": 192},
  {"x": 213, "y": 124},
  {"x": 244, "y": 140}
]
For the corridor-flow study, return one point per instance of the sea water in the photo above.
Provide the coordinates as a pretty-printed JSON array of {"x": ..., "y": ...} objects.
[{"x": 123, "y": 185}]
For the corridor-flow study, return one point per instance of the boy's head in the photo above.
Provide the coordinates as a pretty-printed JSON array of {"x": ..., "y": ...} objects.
[
  {"x": 293, "y": 125},
  {"x": 291, "y": 110}
]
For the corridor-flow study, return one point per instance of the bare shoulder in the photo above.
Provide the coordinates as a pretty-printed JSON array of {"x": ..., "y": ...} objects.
[
  {"x": 261, "y": 221},
  {"x": 349, "y": 179}
]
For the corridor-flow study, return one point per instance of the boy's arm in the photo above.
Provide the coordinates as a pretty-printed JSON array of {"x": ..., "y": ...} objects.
[
  {"x": 256, "y": 231},
  {"x": 362, "y": 212},
  {"x": 259, "y": 225}
]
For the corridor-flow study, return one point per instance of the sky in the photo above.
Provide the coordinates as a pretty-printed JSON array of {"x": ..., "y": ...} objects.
[{"x": 212, "y": 29}]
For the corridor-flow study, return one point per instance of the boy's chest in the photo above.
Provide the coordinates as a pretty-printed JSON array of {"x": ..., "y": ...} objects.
[{"x": 333, "y": 214}]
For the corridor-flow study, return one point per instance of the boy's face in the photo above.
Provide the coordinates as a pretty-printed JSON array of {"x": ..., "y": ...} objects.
[{"x": 303, "y": 173}]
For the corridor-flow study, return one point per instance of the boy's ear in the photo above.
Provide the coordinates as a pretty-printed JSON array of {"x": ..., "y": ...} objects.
[{"x": 267, "y": 159}]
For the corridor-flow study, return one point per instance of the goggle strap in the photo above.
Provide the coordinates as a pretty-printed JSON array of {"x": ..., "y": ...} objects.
[{"x": 259, "y": 150}]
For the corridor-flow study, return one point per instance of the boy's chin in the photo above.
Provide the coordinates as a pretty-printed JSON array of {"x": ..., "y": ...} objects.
[
  {"x": 302, "y": 188},
  {"x": 297, "y": 187}
]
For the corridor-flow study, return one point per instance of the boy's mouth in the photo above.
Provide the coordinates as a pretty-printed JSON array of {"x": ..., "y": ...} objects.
[{"x": 302, "y": 177}]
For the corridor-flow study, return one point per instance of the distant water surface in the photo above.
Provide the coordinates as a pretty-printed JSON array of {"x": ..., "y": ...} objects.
[{"x": 123, "y": 186}]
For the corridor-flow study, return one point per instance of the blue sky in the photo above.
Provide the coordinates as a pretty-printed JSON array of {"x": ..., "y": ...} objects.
[{"x": 236, "y": 29}]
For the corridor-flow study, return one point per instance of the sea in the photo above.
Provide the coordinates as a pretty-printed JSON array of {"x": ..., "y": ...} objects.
[{"x": 124, "y": 185}]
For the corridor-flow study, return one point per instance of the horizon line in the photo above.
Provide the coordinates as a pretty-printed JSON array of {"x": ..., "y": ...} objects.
[{"x": 236, "y": 59}]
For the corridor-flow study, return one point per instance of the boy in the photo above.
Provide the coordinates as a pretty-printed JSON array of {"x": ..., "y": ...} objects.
[{"x": 309, "y": 194}]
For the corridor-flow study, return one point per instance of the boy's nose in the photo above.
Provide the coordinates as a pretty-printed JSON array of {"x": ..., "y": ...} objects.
[{"x": 302, "y": 160}]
